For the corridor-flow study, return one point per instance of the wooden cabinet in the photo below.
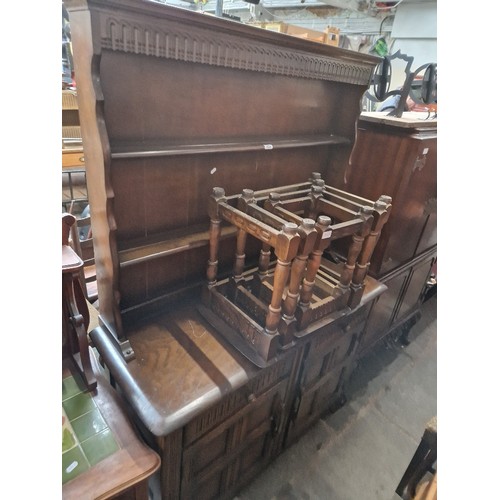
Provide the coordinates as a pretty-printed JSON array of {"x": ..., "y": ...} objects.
[
  {"x": 327, "y": 361},
  {"x": 215, "y": 418},
  {"x": 221, "y": 461},
  {"x": 400, "y": 156},
  {"x": 173, "y": 104},
  {"x": 399, "y": 306}
]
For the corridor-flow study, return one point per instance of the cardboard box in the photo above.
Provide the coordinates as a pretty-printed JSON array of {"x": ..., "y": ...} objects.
[{"x": 329, "y": 36}]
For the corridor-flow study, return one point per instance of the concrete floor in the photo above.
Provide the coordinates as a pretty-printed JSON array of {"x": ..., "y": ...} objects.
[{"x": 361, "y": 451}]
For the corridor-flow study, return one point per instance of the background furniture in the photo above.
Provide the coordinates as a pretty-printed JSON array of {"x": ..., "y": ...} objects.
[
  {"x": 73, "y": 161},
  {"x": 75, "y": 312},
  {"x": 419, "y": 482},
  {"x": 398, "y": 155},
  {"x": 172, "y": 104},
  {"x": 102, "y": 456},
  {"x": 82, "y": 243}
]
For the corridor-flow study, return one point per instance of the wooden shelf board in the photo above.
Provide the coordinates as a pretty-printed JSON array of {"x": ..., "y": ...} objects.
[
  {"x": 144, "y": 150},
  {"x": 164, "y": 244}
]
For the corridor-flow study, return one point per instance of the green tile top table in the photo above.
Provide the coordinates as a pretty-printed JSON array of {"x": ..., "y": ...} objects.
[
  {"x": 86, "y": 436},
  {"x": 102, "y": 456}
]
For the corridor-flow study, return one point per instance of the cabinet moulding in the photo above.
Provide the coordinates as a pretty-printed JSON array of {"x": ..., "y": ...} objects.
[{"x": 202, "y": 46}]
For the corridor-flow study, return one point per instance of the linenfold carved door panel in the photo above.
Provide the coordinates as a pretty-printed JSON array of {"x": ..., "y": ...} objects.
[{"x": 219, "y": 462}]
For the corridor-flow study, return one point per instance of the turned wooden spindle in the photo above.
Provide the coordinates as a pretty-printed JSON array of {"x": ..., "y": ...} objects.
[
  {"x": 265, "y": 252},
  {"x": 315, "y": 176},
  {"x": 322, "y": 241},
  {"x": 315, "y": 195},
  {"x": 264, "y": 260},
  {"x": 308, "y": 234},
  {"x": 381, "y": 211},
  {"x": 218, "y": 195},
  {"x": 355, "y": 247},
  {"x": 239, "y": 257},
  {"x": 247, "y": 197},
  {"x": 274, "y": 199},
  {"x": 285, "y": 250}
]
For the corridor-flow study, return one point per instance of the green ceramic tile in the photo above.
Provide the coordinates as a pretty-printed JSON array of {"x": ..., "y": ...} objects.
[
  {"x": 78, "y": 405},
  {"x": 73, "y": 463},
  {"x": 70, "y": 388},
  {"x": 89, "y": 424},
  {"x": 68, "y": 439},
  {"x": 100, "y": 446}
]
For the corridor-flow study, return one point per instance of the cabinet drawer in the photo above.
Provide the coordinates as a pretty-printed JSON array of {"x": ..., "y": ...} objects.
[{"x": 233, "y": 402}]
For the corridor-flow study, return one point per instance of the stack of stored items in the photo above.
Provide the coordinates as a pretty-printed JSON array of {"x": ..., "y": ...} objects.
[
  {"x": 294, "y": 285},
  {"x": 330, "y": 35}
]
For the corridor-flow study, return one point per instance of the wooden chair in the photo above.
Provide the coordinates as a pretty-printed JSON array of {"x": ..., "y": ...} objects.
[
  {"x": 75, "y": 312},
  {"x": 424, "y": 462},
  {"x": 83, "y": 244}
]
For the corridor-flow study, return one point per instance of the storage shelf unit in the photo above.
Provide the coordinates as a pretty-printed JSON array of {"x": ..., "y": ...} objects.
[
  {"x": 172, "y": 104},
  {"x": 235, "y": 146},
  {"x": 402, "y": 155}
]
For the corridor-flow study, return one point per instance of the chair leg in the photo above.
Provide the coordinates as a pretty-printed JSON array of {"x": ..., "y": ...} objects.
[{"x": 423, "y": 459}]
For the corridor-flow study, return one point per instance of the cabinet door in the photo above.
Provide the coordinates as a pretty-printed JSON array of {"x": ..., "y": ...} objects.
[
  {"x": 223, "y": 460},
  {"x": 414, "y": 289},
  {"x": 327, "y": 361},
  {"x": 412, "y": 223},
  {"x": 398, "y": 303},
  {"x": 383, "y": 311},
  {"x": 312, "y": 401}
]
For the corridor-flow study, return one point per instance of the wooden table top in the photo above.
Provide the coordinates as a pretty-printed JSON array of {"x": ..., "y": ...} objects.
[
  {"x": 409, "y": 119},
  {"x": 182, "y": 366}
]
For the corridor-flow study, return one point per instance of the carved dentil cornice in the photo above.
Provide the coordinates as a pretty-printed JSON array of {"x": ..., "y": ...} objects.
[{"x": 190, "y": 43}]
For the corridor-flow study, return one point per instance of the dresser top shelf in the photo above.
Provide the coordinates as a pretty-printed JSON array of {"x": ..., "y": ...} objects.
[
  {"x": 409, "y": 119},
  {"x": 153, "y": 149}
]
